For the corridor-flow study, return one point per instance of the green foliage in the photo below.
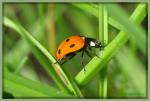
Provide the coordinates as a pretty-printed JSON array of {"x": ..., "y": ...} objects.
[
  {"x": 124, "y": 55},
  {"x": 110, "y": 50},
  {"x": 43, "y": 56},
  {"x": 103, "y": 35},
  {"x": 21, "y": 87},
  {"x": 136, "y": 32}
]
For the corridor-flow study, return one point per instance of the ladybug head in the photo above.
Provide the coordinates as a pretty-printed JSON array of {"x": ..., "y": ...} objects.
[{"x": 97, "y": 44}]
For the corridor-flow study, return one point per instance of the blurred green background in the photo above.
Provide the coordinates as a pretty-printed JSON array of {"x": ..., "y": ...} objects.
[{"x": 52, "y": 23}]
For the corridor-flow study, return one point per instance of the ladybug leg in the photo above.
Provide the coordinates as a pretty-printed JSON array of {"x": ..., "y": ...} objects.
[
  {"x": 72, "y": 55},
  {"x": 93, "y": 52},
  {"x": 68, "y": 57},
  {"x": 56, "y": 62},
  {"x": 87, "y": 52},
  {"x": 83, "y": 59},
  {"x": 65, "y": 60},
  {"x": 97, "y": 55}
]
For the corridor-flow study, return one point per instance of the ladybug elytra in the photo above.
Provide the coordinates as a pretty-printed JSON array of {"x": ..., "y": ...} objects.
[{"x": 70, "y": 46}]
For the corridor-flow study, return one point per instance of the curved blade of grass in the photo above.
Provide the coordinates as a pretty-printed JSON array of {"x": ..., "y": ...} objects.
[
  {"x": 14, "y": 57},
  {"x": 133, "y": 30},
  {"x": 136, "y": 32},
  {"x": 86, "y": 26},
  {"x": 103, "y": 36},
  {"x": 21, "y": 49},
  {"x": 93, "y": 10},
  {"x": 88, "y": 8},
  {"x": 44, "y": 57},
  {"x": 110, "y": 50},
  {"x": 20, "y": 65},
  {"x": 22, "y": 87}
]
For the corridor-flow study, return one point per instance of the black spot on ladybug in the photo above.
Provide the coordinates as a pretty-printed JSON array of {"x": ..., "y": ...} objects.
[
  {"x": 59, "y": 51},
  {"x": 67, "y": 40},
  {"x": 72, "y": 45}
]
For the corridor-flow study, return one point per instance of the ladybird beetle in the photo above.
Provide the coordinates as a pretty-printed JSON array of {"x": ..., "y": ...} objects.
[{"x": 70, "y": 46}]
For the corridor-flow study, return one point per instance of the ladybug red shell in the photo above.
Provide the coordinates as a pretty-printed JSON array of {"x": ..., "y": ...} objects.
[
  {"x": 74, "y": 44},
  {"x": 69, "y": 45}
]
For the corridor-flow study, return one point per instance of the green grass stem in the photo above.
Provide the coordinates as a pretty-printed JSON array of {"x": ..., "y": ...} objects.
[
  {"x": 44, "y": 57},
  {"x": 23, "y": 87},
  {"x": 133, "y": 30},
  {"x": 110, "y": 50},
  {"x": 20, "y": 65},
  {"x": 103, "y": 36},
  {"x": 119, "y": 20}
]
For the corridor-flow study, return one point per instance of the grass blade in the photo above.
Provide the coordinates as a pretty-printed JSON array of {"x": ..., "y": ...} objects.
[
  {"x": 22, "y": 87},
  {"x": 136, "y": 32},
  {"x": 20, "y": 65},
  {"x": 21, "y": 49},
  {"x": 44, "y": 58},
  {"x": 133, "y": 30},
  {"x": 108, "y": 53},
  {"x": 89, "y": 8},
  {"x": 103, "y": 35},
  {"x": 86, "y": 27},
  {"x": 93, "y": 10}
]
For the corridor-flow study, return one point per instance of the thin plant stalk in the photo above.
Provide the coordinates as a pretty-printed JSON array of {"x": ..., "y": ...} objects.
[
  {"x": 111, "y": 49},
  {"x": 20, "y": 66},
  {"x": 51, "y": 29},
  {"x": 103, "y": 36},
  {"x": 114, "y": 20},
  {"x": 45, "y": 58}
]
